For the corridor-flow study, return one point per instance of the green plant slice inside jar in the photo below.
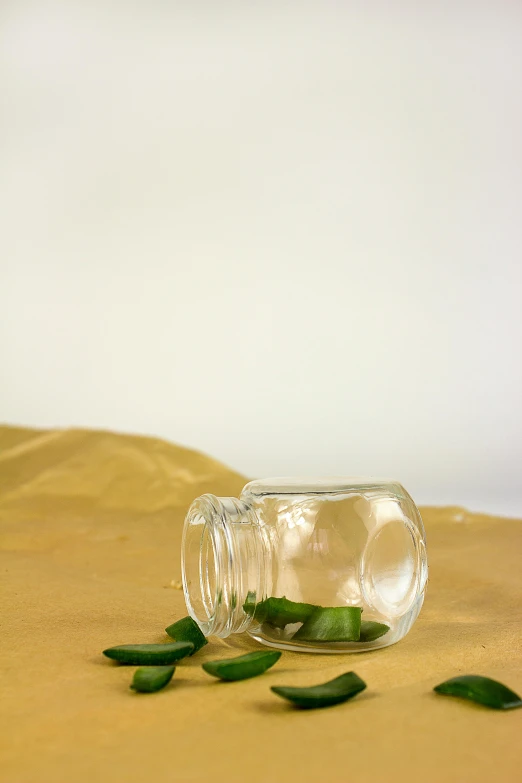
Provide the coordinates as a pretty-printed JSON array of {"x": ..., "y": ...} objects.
[
  {"x": 278, "y": 612},
  {"x": 331, "y": 624},
  {"x": 370, "y": 630}
]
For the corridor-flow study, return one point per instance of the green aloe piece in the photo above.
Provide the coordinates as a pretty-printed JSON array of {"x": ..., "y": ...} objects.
[
  {"x": 250, "y": 604},
  {"x": 333, "y": 692},
  {"x": 278, "y": 611},
  {"x": 186, "y": 630},
  {"x": 331, "y": 624},
  {"x": 150, "y": 679},
  {"x": 243, "y": 667},
  {"x": 371, "y": 631},
  {"x": 481, "y": 690},
  {"x": 149, "y": 654}
]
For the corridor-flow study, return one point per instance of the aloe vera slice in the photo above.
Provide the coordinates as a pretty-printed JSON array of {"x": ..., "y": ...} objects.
[
  {"x": 370, "y": 631},
  {"x": 331, "y": 624},
  {"x": 149, "y": 679},
  {"x": 481, "y": 690},
  {"x": 243, "y": 667},
  {"x": 250, "y": 604},
  {"x": 149, "y": 654},
  {"x": 326, "y": 695},
  {"x": 278, "y": 611},
  {"x": 186, "y": 630}
]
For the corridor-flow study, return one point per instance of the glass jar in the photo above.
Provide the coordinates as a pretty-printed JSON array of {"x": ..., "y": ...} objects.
[{"x": 326, "y": 565}]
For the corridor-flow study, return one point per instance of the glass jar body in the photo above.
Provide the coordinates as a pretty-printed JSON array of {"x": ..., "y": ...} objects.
[{"x": 275, "y": 561}]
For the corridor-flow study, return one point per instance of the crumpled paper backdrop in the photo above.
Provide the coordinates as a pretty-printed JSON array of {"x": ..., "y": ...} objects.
[{"x": 90, "y": 526}]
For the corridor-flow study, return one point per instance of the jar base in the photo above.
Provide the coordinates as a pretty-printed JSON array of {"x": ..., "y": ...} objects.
[{"x": 341, "y": 649}]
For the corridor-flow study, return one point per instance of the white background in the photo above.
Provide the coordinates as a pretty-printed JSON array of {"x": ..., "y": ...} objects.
[{"x": 285, "y": 233}]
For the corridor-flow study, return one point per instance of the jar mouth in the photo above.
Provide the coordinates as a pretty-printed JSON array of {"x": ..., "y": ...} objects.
[
  {"x": 200, "y": 564},
  {"x": 219, "y": 553}
]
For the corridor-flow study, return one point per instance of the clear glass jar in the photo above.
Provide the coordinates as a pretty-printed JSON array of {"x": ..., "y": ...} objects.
[{"x": 314, "y": 545}]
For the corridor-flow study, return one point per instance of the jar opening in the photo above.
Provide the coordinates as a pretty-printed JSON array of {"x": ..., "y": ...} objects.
[
  {"x": 221, "y": 563},
  {"x": 200, "y": 569}
]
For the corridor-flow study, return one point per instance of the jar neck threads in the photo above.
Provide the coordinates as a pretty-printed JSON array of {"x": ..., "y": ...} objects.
[{"x": 224, "y": 559}]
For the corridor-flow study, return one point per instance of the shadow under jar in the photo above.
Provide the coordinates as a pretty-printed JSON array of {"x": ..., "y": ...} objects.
[{"x": 325, "y": 565}]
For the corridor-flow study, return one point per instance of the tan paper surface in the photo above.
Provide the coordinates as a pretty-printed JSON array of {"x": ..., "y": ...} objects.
[{"x": 90, "y": 526}]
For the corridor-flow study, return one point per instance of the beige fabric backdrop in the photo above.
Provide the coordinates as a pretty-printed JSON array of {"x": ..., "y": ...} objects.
[{"x": 90, "y": 526}]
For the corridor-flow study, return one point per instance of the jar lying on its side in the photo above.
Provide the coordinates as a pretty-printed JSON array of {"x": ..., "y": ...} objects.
[{"x": 327, "y": 565}]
